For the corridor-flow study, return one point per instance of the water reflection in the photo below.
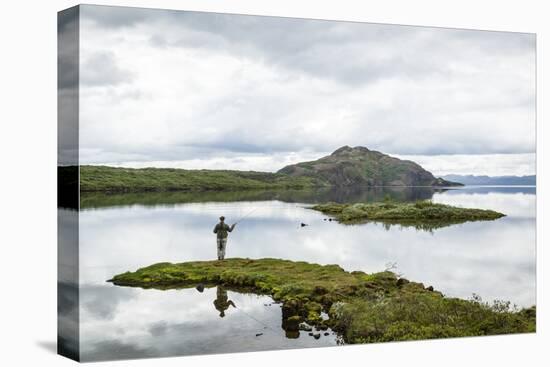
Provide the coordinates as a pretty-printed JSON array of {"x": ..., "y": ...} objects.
[
  {"x": 144, "y": 323},
  {"x": 222, "y": 302},
  {"x": 426, "y": 226},
  {"x": 67, "y": 283},
  {"x": 494, "y": 259},
  {"x": 90, "y": 200}
]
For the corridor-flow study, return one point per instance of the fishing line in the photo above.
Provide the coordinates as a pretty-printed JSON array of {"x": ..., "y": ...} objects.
[
  {"x": 247, "y": 214},
  {"x": 258, "y": 321}
]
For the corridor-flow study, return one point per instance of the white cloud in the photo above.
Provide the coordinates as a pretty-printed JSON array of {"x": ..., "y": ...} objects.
[
  {"x": 226, "y": 91},
  {"x": 486, "y": 164},
  {"x": 243, "y": 162}
]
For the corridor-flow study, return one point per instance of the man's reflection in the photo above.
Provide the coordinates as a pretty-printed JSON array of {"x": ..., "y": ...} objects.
[{"x": 221, "y": 302}]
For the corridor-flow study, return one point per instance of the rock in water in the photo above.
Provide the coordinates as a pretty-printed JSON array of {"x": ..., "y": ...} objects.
[{"x": 303, "y": 224}]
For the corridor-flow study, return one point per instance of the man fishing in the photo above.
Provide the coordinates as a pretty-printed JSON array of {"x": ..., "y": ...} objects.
[{"x": 221, "y": 229}]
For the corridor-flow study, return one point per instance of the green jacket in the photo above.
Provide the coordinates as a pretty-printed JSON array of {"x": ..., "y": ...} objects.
[{"x": 222, "y": 228}]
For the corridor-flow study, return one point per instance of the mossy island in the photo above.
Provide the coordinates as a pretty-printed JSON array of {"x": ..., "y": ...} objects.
[
  {"x": 423, "y": 214},
  {"x": 361, "y": 307}
]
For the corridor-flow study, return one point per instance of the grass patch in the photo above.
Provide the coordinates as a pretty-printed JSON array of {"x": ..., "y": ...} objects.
[
  {"x": 117, "y": 179},
  {"x": 414, "y": 315},
  {"x": 422, "y": 214},
  {"x": 362, "y": 307}
]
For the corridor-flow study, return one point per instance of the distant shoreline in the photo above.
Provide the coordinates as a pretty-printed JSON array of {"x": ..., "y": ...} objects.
[
  {"x": 493, "y": 180},
  {"x": 119, "y": 180},
  {"x": 134, "y": 180}
]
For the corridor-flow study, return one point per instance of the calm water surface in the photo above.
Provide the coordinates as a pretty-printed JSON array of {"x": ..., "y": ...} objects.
[{"x": 495, "y": 260}]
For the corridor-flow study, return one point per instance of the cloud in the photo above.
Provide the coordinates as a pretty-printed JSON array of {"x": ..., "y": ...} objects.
[
  {"x": 352, "y": 53},
  {"x": 101, "y": 302},
  {"x": 165, "y": 86},
  {"x": 117, "y": 17},
  {"x": 101, "y": 69},
  {"x": 485, "y": 164},
  {"x": 67, "y": 59},
  {"x": 106, "y": 350}
]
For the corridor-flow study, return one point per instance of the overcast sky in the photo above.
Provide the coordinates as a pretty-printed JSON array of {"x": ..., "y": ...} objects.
[{"x": 204, "y": 90}]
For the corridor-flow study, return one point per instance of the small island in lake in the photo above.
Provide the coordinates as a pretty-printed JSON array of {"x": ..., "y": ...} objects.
[
  {"x": 423, "y": 213},
  {"x": 360, "y": 307}
]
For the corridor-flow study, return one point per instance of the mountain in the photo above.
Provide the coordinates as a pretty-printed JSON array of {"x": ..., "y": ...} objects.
[
  {"x": 349, "y": 166},
  {"x": 493, "y": 180}
]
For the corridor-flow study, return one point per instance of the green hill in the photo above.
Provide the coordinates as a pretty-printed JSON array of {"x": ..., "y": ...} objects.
[
  {"x": 349, "y": 166},
  {"x": 345, "y": 167}
]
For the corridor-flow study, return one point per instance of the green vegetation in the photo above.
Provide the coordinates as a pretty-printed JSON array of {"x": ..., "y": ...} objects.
[
  {"x": 346, "y": 167},
  {"x": 360, "y": 166},
  {"x": 411, "y": 314},
  {"x": 361, "y": 307},
  {"x": 421, "y": 214},
  {"x": 115, "y": 179}
]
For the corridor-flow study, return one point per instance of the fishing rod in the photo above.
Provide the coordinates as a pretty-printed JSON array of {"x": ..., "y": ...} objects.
[{"x": 245, "y": 216}]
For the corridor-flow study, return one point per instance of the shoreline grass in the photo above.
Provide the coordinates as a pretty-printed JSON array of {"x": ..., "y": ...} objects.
[
  {"x": 110, "y": 179},
  {"x": 362, "y": 307},
  {"x": 119, "y": 179}
]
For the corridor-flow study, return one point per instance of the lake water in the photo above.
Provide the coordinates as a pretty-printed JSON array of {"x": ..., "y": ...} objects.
[{"x": 494, "y": 259}]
